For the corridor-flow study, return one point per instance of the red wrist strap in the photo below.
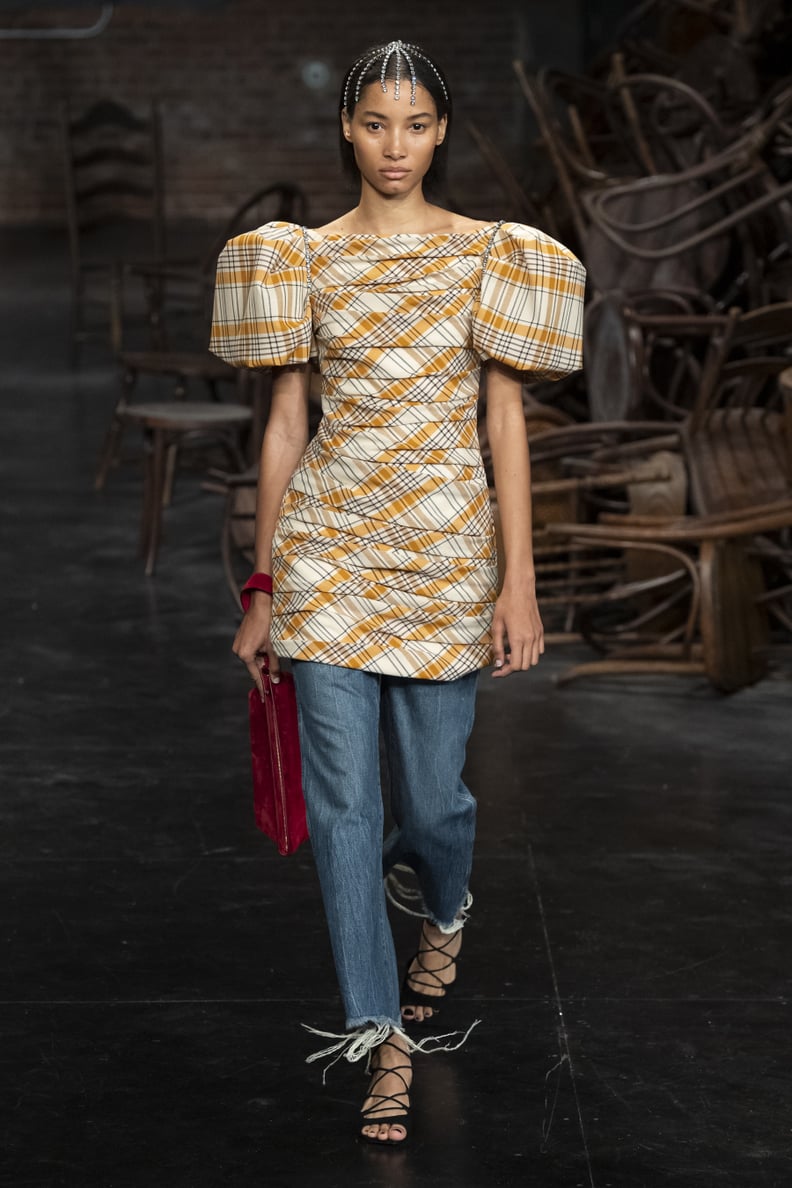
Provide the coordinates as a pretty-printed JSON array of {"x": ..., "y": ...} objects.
[{"x": 256, "y": 581}]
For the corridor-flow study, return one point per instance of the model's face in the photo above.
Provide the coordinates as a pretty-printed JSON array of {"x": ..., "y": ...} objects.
[{"x": 394, "y": 140}]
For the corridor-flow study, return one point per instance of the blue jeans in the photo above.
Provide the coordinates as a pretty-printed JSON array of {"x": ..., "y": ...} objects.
[{"x": 425, "y": 726}]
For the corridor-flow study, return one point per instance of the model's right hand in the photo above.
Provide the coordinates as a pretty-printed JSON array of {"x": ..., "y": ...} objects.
[{"x": 252, "y": 641}]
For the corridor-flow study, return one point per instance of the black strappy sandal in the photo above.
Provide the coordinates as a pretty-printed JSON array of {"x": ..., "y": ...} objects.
[
  {"x": 423, "y": 976},
  {"x": 374, "y": 1115}
]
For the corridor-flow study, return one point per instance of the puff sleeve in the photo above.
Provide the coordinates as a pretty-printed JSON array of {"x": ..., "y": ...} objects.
[
  {"x": 530, "y": 309},
  {"x": 262, "y": 314}
]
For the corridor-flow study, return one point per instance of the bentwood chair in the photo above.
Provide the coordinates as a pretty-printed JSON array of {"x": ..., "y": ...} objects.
[
  {"x": 178, "y": 292},
  {"x": 725, "y": 567},
  {"x": 168, "y": 426},
  {"x": 179, "y": 299},
  {"x": 182, "y": 293},
  {"x": 729, "y": 204}
]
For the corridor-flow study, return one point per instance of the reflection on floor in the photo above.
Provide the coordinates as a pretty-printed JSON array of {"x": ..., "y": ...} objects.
[{"x": 629, "y": 948}]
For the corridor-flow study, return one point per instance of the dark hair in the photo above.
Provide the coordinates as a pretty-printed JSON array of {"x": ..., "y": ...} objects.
[{"x": 368, "y": 69}]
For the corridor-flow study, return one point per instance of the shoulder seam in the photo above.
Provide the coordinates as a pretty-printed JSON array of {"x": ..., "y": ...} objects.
[{"x": 490, "y": 242}]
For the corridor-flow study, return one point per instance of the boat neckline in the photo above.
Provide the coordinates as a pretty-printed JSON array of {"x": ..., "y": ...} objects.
[{"x": 490, "y": 227}]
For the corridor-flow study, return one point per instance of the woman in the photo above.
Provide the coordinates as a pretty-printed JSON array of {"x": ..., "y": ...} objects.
[{"x": 378, "y": 533}]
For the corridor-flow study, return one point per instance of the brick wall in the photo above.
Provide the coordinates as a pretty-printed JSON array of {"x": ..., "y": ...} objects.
[{"x": 242, "y": 95}]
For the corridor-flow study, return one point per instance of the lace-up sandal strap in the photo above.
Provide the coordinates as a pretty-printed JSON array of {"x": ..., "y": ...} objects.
[
  {"x": 385, "y": 1101},
  {"x": 377, "y": 1113},
  {"x": 378, "y": 1074},
  {"x": 430, "y": 978}
]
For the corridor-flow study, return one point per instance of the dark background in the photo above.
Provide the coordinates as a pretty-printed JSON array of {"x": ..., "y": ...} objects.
[{"x": 248, "y": 88}]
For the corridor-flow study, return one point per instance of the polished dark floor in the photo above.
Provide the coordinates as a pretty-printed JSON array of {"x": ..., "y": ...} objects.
[{"x": 629, "y": 952}]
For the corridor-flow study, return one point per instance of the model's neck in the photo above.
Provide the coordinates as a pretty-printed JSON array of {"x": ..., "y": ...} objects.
[{"x": 376, "y": 214}]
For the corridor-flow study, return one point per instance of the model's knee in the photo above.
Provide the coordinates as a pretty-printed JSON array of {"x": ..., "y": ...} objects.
[
  {"x": 437, "y": 814},
  {"x": 343, "y": 811}
]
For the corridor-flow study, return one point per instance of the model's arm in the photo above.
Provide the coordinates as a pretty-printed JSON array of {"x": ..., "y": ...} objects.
[
  {"x": 285, "y": 439},
  {"x": 516, "y": 618}
]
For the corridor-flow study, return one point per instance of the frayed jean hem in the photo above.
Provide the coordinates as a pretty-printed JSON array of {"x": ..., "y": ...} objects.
[
  {"x": 448, "y": 929},
  {"x": 374, "y": 1021},
  {"x": 459, "y": 921}
]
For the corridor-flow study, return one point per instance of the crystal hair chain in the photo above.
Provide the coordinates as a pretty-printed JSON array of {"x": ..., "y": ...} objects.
[{"x": 404, "y": 53}]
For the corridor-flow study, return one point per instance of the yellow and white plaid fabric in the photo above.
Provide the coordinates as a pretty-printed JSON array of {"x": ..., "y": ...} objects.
[{"x": 384, "y": 554}]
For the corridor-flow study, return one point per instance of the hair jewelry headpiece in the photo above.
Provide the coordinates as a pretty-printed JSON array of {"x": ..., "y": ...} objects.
[{"x": 403, "y": 53}]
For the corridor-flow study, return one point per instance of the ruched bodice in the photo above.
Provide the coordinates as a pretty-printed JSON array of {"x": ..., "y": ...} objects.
[
  {"x": 383, "y": 556},
  {"x": 389, "y": 318}
]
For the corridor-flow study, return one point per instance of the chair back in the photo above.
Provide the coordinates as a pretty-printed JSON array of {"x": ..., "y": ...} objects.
[
  {"x": 279, "y": 202},
  {"x": 113, "y": 173},
  {"x": 736, "y": 443},
  {"x": 646, "y": 352}
]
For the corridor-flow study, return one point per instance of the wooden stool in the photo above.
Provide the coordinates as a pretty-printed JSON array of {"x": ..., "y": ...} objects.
[{"x": 164, "y": 425}]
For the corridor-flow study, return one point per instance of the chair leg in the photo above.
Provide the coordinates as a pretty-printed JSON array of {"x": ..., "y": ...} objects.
[
  {"x": 148, "y": 487},
  {"x": 151, "y": 522},
  {"x": 111, "y": 447},
  {"x": 234, "y": 452},
  {"x": 226, "y": 545},
  {"x": 170, "y": 473}
]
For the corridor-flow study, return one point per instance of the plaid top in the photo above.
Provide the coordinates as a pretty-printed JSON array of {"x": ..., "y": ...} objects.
[{"x": 384, "y": 554}]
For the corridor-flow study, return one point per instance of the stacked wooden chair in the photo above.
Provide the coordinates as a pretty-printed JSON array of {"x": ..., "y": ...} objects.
[
  {"x": 685, "y": 564},
  {"x": 663, "y": 514}
]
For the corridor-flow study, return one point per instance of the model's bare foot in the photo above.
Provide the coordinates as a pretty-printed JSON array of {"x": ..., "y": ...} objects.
[
  {"x": 432, "y": 970},
  {"x": 393, "y": 1086}
]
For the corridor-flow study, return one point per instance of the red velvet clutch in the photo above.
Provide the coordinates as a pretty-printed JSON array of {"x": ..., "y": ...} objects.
[{"x": 275, "y": 753}]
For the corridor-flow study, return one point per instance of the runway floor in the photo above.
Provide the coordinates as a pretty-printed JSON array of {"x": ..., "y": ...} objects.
[{"x": 629, "y": 950}]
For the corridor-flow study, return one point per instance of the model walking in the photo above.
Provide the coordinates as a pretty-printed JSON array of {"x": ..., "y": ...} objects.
[{"x": 378, "y": 532}]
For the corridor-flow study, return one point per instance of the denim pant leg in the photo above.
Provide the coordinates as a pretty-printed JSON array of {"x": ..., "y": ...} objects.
[
  {"x": 426, "y": 726},
  {"x": 339, "y": 741}
]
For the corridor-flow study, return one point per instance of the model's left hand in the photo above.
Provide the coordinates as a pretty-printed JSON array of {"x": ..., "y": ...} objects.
[{"x": 516, "y": 622}]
